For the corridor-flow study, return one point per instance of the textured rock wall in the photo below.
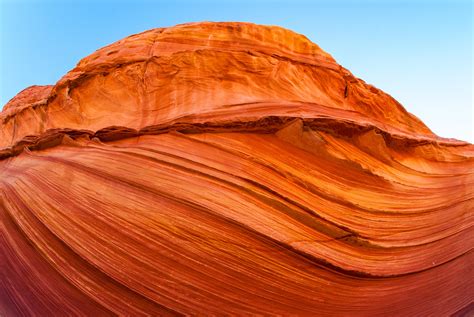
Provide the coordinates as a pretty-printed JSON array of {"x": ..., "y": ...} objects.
[{"x": 228, "y": 168}]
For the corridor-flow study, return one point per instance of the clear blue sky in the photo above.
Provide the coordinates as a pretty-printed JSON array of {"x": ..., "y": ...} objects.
[{"x": 418, "y": 51}]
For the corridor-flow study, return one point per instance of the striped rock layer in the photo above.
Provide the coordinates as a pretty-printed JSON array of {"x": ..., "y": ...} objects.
[{"x": 228, "y": 169}]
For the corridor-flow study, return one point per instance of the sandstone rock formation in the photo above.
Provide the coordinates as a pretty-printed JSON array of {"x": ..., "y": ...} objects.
[{"x": 228, "y": 169}]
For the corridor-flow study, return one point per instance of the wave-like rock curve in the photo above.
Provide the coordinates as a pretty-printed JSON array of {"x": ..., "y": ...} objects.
[{"x": 228, "y": 169}]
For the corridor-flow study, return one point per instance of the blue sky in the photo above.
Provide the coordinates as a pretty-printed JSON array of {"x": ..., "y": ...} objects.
[{"x": 418, "y": 51}]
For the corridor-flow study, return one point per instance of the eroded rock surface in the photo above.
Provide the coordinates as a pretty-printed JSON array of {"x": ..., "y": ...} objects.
[{"x": 228, "y": 168}]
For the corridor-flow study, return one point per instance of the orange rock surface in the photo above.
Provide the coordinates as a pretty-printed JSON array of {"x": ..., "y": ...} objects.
[{"x": 228, "y": 169}]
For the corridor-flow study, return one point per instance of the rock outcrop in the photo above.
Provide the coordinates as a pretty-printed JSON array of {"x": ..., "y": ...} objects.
[{"x": 228, "y": 169}]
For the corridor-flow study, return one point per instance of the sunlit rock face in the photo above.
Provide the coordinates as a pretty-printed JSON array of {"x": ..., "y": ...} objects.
[{"x": 228, "y": 169}]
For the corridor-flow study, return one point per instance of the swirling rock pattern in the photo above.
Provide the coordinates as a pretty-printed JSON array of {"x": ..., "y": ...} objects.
[{"x": 228, "y": 169}]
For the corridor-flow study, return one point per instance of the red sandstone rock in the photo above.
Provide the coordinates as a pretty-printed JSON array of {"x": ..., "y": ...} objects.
[{"x": 228, "y": 168}]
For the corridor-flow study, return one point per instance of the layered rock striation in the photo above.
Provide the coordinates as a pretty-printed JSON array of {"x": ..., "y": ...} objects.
[{"x": 228, "y": 169}]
